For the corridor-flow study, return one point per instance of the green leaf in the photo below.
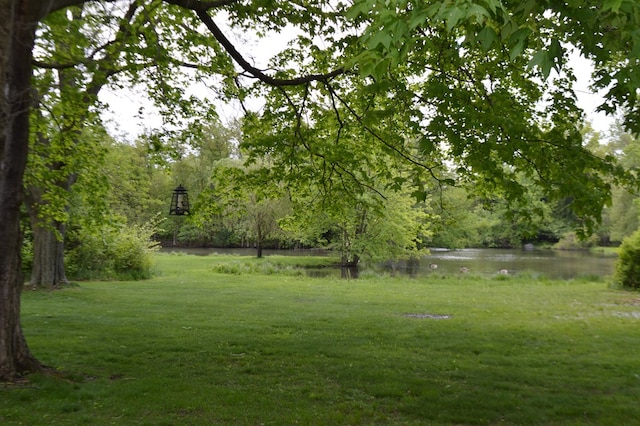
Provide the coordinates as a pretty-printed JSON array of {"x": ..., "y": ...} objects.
[
  {"x": 493, "y": 5},
  {"x": 380, "y": 69},
  {"x": 527, "y": 7},
  {"x": 518, "y": 42},
  {"x": 487, "y": 37},
  {"x": 556, "y": 53},
  {"x": 453, "y": 17},
  {"x": 358, "y": 9},
  {"x": 380, "y": 38},
  {"x": 480, "y": 13},
  {"x": 612, "y": 5},
  {"x": 541, "y": 60},
  {"x": 420, "y": 195}
]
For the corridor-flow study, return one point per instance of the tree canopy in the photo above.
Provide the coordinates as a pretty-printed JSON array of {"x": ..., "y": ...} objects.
[{"x": 396, "y": 93}]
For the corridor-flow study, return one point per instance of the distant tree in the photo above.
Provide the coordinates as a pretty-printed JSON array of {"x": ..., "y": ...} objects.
[
  {"x": 234, "y": 199},
  {"x": 624, "y": 214},
  {"x": 132, "y": 180},
  {"x": 361, "y": 227},
  {"x": 459, "y": 220}
]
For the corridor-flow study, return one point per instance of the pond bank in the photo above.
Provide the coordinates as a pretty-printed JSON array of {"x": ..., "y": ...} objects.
[{"x": 553, "y": 264}]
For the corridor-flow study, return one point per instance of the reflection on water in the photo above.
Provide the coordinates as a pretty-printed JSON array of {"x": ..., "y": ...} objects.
[{"x": 548, "y": 263}]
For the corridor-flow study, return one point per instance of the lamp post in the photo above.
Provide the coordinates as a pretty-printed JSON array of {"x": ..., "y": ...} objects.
[{"x": 179, "y": 202}]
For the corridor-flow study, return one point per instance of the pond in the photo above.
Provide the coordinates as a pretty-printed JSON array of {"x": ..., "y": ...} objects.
[{"x": 554, "y": 264}]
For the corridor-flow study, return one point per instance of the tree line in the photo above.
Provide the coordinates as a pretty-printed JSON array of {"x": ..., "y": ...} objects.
[{"x": 238, "y": 205}]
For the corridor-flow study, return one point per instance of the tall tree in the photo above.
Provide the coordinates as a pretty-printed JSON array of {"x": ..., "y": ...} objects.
[
  {"x": 18, "y": 31},
  {"x": 73, "y": 65}
]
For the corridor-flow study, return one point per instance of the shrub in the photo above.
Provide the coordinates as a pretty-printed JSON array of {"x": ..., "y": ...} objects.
[
  {"x": 571, "y": 241},
  {"x": 117, "y": 251},
  {"x": 627, "y": 271}
]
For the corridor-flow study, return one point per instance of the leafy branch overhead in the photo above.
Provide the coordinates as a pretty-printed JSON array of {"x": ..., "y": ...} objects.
[
  {"x": 474, "y": 92},
  {"x": 464, "y": 91}
]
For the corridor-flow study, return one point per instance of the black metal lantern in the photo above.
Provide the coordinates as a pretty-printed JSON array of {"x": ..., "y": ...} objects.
[{"x": 179, "y": 202}]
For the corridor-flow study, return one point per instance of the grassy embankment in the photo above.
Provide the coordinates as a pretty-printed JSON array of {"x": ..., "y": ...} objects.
[{"x": 212, "y": 340}]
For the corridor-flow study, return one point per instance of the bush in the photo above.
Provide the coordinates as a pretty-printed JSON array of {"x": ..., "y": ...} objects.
[
  {"x": 627, "y": 271},
  {"x": 571, "y": 241},
  {"x": 118, "y": 252}
]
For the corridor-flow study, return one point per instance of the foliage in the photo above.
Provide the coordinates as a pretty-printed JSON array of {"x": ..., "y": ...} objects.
[
  {"x": 476, "y": 75},
  {"x": 466, "y": 219},
  {"x": 235, "y": 201},
  {"x": 281, "y": 265},
  {"x": 137, "y": 189},
  {"x": 530, "y": 36},
  {"x": 627, "y": 271},
  {"x": 571, "y": 241},
  {"x": 112, "y": 251},
  {"x": 361, "y": 227}
]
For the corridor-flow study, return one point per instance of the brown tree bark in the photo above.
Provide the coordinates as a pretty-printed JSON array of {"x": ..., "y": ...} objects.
[
  {"x": 48, "y": 269},
  {"x": 48, "y": 257},
  {"x": 17, "y": 35}
]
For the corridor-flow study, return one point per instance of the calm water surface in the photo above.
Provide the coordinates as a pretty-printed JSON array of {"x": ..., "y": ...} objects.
[
  {"x": 554, "y": 264},
  {"x": 548, "y": 263}
]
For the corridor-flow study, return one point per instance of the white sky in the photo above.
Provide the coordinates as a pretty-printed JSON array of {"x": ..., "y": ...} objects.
[
  {"x": 131, "y": 113},
  {"x": 587, "y": 99}
]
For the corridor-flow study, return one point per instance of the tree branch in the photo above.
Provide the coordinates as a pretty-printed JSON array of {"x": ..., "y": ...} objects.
[
  {"x": 201, "y": 5},
  {"x": 406, "y": 156},
  {"x": 253, "y": 71}
]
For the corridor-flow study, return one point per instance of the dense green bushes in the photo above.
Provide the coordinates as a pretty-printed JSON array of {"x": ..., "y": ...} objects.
[
  {"x": 627, "y": 271},
  {"x": 111, "y": 252}
]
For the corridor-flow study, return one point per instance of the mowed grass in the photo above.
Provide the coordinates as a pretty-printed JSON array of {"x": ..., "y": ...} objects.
[{"x": 198, "y": 346}]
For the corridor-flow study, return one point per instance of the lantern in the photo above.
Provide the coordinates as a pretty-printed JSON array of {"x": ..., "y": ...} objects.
[{"x": 179, "y": 202}]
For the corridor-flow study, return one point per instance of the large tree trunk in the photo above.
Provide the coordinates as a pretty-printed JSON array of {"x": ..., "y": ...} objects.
[
  {"x": 17, "y": 35},
  {"x": 48, "y": 243},
  {"x": 48, "y": 256}
]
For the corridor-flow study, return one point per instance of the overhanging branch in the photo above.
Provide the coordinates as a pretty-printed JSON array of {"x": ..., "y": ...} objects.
[
  {"x": 253, "y": 71},
  {"x": 201, "y": 5}
]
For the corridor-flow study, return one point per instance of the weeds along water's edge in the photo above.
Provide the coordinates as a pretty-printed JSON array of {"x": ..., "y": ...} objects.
[{"x": 553, "y": 264}]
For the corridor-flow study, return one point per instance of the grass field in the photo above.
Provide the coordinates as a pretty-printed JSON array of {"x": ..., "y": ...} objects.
[{"x": 223, "y": 340}]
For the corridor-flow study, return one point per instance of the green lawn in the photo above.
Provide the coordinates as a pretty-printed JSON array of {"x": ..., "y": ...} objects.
[{"x": 220, "y": 340}]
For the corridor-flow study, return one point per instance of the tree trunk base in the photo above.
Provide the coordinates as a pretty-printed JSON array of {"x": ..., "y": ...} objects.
[{"x": 21, "y": 364}]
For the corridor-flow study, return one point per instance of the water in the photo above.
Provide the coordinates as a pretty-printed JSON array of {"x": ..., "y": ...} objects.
[
  {"x": 554, "y": 264},
  {"x": 548, "y": 263}
]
